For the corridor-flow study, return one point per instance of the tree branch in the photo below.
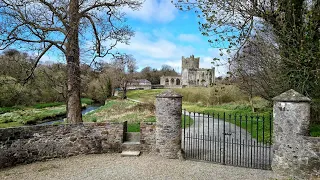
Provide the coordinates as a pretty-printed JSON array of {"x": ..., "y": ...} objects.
[
  {"x": 98, "y": 46},
  {"x": 53, "y": 10},
  {"x": 36, "y": 63}
]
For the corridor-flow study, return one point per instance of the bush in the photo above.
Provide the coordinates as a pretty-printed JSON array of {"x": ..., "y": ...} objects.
[
  {"x": 12, "y": 93},
  {"x": 218, "y": 94},
  {"x": 315, "y": 111},
  {"x": 315, "y": 130},
  {"x": 100, "y": 89}
]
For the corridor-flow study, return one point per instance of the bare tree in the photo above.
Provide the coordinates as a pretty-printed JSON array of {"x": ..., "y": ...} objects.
[
  {"x": 49, "y": 25},
  {"x": 258, "y": 68},
  {"x": 125, "y": 67},
  {"x": 295, "y": 24}
]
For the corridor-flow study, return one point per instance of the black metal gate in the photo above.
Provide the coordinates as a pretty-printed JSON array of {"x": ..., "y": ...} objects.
[{"x": 231, "y": 139}]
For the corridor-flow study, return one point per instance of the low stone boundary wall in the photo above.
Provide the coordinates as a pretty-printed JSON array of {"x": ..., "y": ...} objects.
[
  {"x": 296, "y": 155},
  {"x": 148, "y": 136},
  {"x": 298, "y": 158},
  {"x": 34, "y": 143}
]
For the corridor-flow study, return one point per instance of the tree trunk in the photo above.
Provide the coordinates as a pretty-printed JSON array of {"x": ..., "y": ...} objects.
[
  {"x": 124, "y": 88},
  {"x": 124, "y": 94},
  {"x": 251, "y": 104},
  {"x": 73, "y": 65}
]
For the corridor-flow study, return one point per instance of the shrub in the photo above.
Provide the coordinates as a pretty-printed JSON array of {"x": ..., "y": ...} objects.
[
  {"x": 315, "y": 130},
  {"x": 315, "y": 111},
  {"x": 218, "y": 94},
  {"x": 12, "y": 93}
]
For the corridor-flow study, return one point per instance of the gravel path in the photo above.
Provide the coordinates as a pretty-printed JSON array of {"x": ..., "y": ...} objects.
[{"x": 112, "y": 166}]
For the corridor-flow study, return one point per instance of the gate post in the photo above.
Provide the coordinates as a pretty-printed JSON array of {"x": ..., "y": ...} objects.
[
  {"x": 291, "y": 114},
  {"x": 168, "y": 130}
]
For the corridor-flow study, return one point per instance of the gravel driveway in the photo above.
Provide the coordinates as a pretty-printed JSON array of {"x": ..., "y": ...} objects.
[
  {"x": 112, "y": 166},
  {"x": 204, "y": 140}
]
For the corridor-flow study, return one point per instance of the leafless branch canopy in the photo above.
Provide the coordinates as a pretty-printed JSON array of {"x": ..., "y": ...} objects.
[
  {"x": 231, "y": 21},
  {"x": 44, "y": 24}
]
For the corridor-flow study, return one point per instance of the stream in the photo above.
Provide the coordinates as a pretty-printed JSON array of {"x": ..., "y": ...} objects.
[{"x": 83, "y": 112}]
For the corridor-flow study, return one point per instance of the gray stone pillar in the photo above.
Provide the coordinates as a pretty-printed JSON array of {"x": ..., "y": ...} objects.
[
  {"x": 168, "y": 130},
  {"x": 291, "y": 113}
]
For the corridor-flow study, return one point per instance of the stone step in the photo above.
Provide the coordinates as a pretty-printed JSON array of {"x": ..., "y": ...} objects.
[
  {"x": 131, "y": 146},
  {"x": 131, "y": 142},
  {"x": 130, "y": 153}
]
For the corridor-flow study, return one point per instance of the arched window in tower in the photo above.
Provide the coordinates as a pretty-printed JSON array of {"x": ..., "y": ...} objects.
[
  {"x": 172, "y": 81},
  {"x": 167, "y": 81},
  {"x": 178, "y": 82},
  {"x": 203, "y": 82}
]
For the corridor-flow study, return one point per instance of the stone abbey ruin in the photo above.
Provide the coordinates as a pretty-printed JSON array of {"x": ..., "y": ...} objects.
[{"x": 191, "y": 75}]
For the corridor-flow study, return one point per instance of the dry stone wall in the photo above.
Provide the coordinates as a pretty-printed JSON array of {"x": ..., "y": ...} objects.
[
  {"x": 148, "y": 136},
  {"x": 34, "y": 143}
]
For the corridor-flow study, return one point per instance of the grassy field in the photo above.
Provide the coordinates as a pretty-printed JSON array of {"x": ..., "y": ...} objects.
[
  {"x": 238, "y": 114},
  {"x": 229, "y": 100},
  {"x": 120, "y": 111},
  {"x": 31, "y": 115},
  {"x": 125, "y": 110},
  {"x": 147, "y": 96},
  {"x": 19, "y": 116},
  {"x": 201, "y": 97}
]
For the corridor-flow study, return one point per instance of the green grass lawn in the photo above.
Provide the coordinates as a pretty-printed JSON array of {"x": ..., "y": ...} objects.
[
  {"x": 117, "y": 110},
  {"x": 257, "y": 124},
  {"x": 135, "y": 127},
  {"x": 194, "y": 101},
  {"x": 186, "y": 122},
  {"x": 33, "y": 114},
  {"x": 230, "y": 109},
  {"x": 87, "y": 101},
  {"x": 144, "y": 95},
  {"x": 9, "y": 109},
  {"x": 125, "y": 110},
  {"x": 36, "y": 106},
  {"x": 30, "y": 116},
  {"x": 45, "y": 105}
]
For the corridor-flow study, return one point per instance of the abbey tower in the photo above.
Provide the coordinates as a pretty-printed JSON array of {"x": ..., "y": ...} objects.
[{"x": 191, "y": 75}]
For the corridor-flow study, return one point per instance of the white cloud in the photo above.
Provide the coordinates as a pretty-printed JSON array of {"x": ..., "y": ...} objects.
[
  {"x": 154, "y": 50},
  {"x": 189, "y": 38},
  {"x": 152, "y": 10},
  {"x": 163, "y": 33},
  {"x": 220, "y": 68},
  {"x": 157, "y": 48}
]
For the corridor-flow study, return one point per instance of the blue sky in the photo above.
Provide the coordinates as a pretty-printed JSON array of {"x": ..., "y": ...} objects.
[{"x": 163, "y": 34}]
